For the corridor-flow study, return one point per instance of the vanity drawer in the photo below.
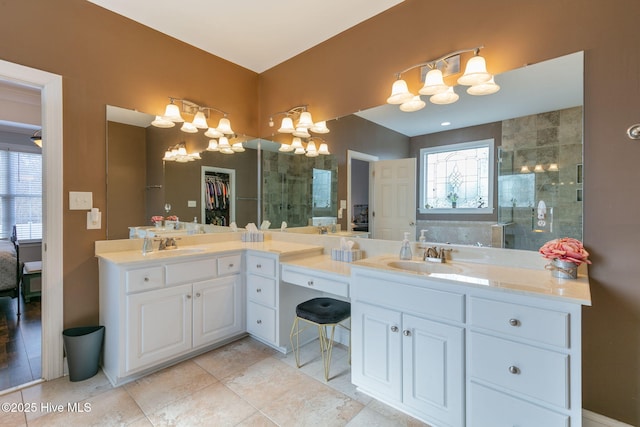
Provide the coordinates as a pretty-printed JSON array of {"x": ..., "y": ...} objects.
[
  {"x": 230, "y": 264},
  {"x": 144, "y": 279},
  {"x": 524, "y": 369},
  {"x": 191, "y": 271},
  {"x": 522, "y": 321},
  {"x": 413, "y": 298},
  {"x": 261, "y": 289},
  {"x": 261, "y": 321},
  {"x": 492, "y": 408},
  {"x": 316, "y": 282},
  {"x": 261, "y": 265}
]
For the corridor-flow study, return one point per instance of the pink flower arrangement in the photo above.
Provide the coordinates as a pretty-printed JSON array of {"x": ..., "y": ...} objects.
[
  {"x": 565, "y": 249},
  {"x": 157, "y": 218},
  {"x": 172, "y": 218}
]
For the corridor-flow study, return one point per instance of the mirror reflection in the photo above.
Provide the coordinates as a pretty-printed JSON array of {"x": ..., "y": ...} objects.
[{"x": 535, "y": 121}]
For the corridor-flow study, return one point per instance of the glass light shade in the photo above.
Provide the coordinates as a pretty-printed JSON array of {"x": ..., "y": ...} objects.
[
  {"x": 195, "y": 156},
  {"x": 433, "y": 83},
  {"x": 226, "y": 151},
  {"x": 475, "y": 72},
  {"x": 237, "y": 147},
  {"x": 285, "y": 148},
  {"x": 172, "y": 112},
  {"x": 448, "y": 97},
  {"x": 182, "y": 159},
  {"x": 414, "y": 104},
  {"x": 182, "y": 151},
  {"x": 525, "y": 169},
  {"x": 299, "y": 151},
  {"x": 553, "y": 167},
  {"x": 188, "y": 128},
  {"x": 168, "y": 156},
  {"x": 286, "y": 126},
  {"x": 200, "y": 121},
  {"x": 223, "y": 143},
  {"x": 224, "y": 126},
  {"x": 161, "y": 122},
  {"x": 538, "y": 169},
  {"x": 305, "y": 120},
  {"x": 213, "y": 133},
  {"x": 323, "y": 149},
  {"x": 311, "y": 147},
  {"x": 319, "y": 127},
  {"x": 38, "y": 142},
  {"x": 399, "y": 93},
  {"x": 296, "y": 144},
  {"x": 486, "y": 88},
  {"x": 213, "y": 145},
  {"x": 302, "y": 132}
]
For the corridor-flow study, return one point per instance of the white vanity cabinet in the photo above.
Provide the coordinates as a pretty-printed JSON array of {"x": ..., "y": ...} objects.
[
  {"x": 262, "y": 296},
  {"x": 159, "y": 311},
  {"x": 408, "y": 345}
]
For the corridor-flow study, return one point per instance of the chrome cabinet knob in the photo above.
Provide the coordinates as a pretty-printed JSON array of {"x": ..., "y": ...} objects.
[
  {"x": 258, "y": 265},
  {"x": 310, "y": 283},
  {"x": 394, "y": 329},
  {"x": 198, "y": 295},
  {"x": 514, "y": 370},
  {"x": 514, "y": 322},
  {"x": 231, "y": 265},
  {"x": 258, "y": 290},
  {"x": 146, "y": 279},
  {"x": 406, "y": 333},
  {"x": 259, "y": 322},
  {"x": 188, "y": 296}
]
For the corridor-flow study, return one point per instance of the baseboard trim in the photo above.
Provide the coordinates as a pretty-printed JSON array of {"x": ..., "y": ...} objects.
[{"x": 592, "y": 419}]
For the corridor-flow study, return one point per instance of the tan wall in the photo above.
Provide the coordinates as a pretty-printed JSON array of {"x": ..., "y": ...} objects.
[
  {"x": 105, "y": 59},
  {"x": 355, "y": 70}
]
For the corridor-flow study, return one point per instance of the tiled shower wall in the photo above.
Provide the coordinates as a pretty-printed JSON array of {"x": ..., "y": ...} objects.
[
  {"x": 542, "y": 139},
  {"x": 287, "y": 187}
]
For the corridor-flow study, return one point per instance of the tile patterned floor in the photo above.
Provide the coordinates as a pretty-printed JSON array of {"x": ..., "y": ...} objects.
[{"x": 244, "y": 383}]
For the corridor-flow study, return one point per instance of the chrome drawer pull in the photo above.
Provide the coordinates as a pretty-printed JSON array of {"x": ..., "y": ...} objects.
[
  {"x": 514, "y": 322},
  {"x": 259, "y": 322},
  {"x": 258, "y": 290},
  {"x": 394, "y": 329},
  {"x": 230, "y": 265},
  {"x": 310, "y": 283},
  {"x": 406, "y": 333},
  {"x": 514, "y": 370},
  {"x": 146, "y": 279},
  {"x": 258, "y": 265}
]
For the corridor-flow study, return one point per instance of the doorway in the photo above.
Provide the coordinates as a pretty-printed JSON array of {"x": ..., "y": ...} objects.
[
  {"x": 50, "y": 86},
  {"x": 358, "y": 190}
]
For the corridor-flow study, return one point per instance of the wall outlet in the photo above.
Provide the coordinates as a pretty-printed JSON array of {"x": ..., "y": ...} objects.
[
  {"x": 80, "y": 200},
  {"x": 191, "y": 204}
]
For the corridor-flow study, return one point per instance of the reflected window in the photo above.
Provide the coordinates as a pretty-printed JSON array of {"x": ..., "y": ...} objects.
[
  {"x": 457, "y": 178},
  {"x": 321, "y": 188}
]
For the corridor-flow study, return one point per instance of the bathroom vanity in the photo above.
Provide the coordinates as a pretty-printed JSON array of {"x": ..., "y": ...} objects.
[{"x": 476, "y": 341}]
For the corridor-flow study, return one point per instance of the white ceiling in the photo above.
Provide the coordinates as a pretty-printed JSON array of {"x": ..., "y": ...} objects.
[{"x": 256, "y": 34}]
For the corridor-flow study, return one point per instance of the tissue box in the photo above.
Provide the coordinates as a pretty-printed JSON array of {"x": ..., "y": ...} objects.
[
  {"x": 253, "y": 237},
  {"x": 346, "y": 255}
]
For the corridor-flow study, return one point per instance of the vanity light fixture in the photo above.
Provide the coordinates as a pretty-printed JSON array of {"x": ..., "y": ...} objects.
[
  {"x": 173, "y": 115},
  {"x": 300, "y": 130},
  {"x": 36, "y": 138},
  {"x": 178, "y": 153},
  {"x": 476, "y": 76}
]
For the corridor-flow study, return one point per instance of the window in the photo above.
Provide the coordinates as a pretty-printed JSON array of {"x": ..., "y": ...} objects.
[
  {"x": 20, "y": 194},
  {"x": 321, "y": 188},
  {"x": 457, "y": 178}
]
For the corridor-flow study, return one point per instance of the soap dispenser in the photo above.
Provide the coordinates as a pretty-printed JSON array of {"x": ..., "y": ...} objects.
[
  {"x": 422, "y": 241},
  {"x": 405, "y": 249}
]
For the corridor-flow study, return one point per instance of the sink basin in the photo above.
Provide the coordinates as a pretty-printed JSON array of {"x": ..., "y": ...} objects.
[
  {"x": 178, "y": 251},
  {"x": 425, "y": 267}
]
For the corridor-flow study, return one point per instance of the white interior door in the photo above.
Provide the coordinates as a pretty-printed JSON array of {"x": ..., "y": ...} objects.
[{"x": 394, "y": 198}]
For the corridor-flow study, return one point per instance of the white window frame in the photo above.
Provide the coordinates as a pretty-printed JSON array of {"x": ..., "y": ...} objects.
[{"x": 424, "y": 152}]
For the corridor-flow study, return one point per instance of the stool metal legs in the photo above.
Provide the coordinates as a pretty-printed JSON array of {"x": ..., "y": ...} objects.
[{"x": 326, "y": 342}]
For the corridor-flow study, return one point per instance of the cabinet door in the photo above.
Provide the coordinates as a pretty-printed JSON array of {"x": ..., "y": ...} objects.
[
  {"x": 433, "y": 369},
  {"x": 159, "y": 325},
  {"x": 377, "y": 345},
  {"x": 217, "y": 309}
]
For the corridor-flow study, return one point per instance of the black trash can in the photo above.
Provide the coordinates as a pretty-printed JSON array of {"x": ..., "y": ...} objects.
[{"x": 83, "y": 346}]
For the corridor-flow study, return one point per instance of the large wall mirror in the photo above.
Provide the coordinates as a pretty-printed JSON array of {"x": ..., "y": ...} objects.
[{"x": 535, "y": 120}]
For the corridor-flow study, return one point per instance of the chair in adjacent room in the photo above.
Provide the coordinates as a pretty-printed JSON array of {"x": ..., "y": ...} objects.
[{"x": 325, "y": 313}]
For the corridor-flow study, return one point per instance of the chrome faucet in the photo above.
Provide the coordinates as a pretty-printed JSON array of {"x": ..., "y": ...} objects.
[
  {"x": 167, "y": 243},
  {"x": 435, "y": 255}
]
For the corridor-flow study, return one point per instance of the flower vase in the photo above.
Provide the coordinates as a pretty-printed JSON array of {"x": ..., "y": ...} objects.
[
  {"x": 158, "y": 224},
  {"x": 563, "y": 269},
  {"x": 454, "y": 205}
]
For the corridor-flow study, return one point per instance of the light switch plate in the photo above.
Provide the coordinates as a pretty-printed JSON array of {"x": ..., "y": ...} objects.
[
  {"x": 80, "y": 200},
  {"x": 191, "y": 203}
]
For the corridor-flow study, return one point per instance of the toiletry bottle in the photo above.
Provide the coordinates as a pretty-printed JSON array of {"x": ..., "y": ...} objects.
[
  {"x": 422, "y": 241},
  {"x": 405, "y": 249}
]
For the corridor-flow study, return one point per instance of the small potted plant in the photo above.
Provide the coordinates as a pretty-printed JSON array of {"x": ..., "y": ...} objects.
[
  {"x": 157, "y": 220},
  {"x": 566, "y": 254},
  {"x": 453, "y": 198}
]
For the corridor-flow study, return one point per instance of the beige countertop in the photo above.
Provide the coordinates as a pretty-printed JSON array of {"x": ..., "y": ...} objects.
[
  {"x": 283, "y": 249},
  {"x": 536, "y": 281},
  {"x": 322, "y": 263}
]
